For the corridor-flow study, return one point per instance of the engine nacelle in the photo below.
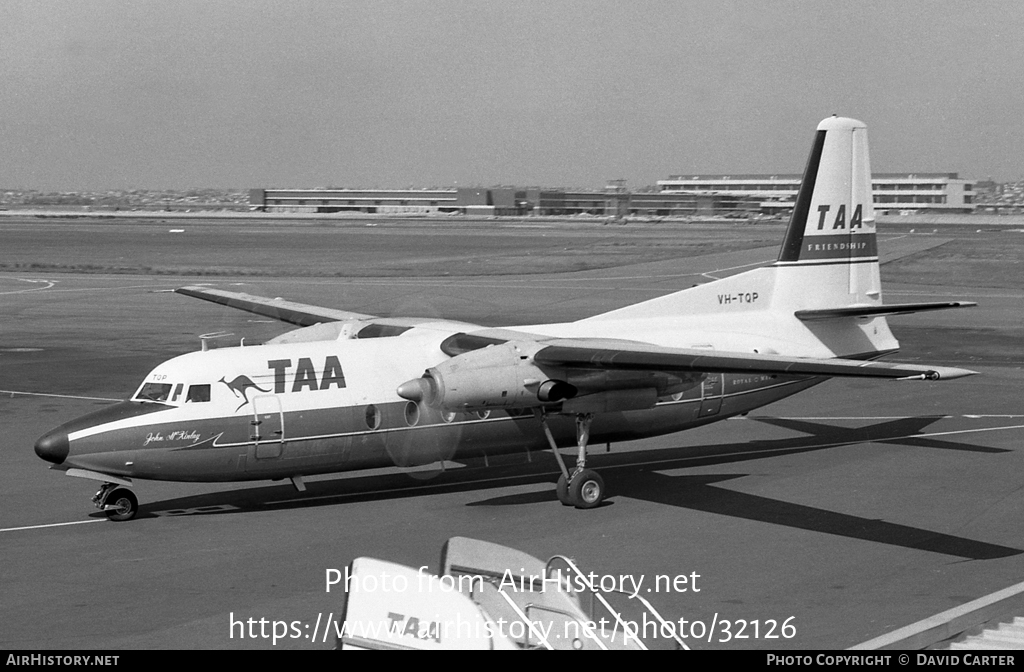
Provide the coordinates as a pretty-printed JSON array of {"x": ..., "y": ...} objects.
[{"x": 498, "y": 376}]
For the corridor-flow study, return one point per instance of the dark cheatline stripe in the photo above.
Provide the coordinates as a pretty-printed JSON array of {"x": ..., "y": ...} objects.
[
  {"x": 835, "y": 262},
  {"x": 798, "y": 222},
  {"x": 839, "y": 246}
]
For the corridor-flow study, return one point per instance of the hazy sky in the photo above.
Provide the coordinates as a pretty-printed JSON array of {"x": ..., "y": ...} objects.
[{"x": 301, "y": 93}]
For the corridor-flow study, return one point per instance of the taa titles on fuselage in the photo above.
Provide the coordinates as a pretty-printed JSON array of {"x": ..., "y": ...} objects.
[{"x": 347, "y": 391}]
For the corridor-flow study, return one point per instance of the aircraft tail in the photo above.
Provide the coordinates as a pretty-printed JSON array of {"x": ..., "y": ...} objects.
[
  {"x": 829, "y": 257},
  {"x": 822, "y": 296},
  {"x": 828, "y": 261}
]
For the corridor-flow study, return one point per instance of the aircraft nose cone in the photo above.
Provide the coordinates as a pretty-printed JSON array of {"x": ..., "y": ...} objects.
[{"x": 53, "y": 447}]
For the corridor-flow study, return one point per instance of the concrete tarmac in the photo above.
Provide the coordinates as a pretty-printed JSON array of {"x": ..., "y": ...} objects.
[{"x": 851, "y": 510}]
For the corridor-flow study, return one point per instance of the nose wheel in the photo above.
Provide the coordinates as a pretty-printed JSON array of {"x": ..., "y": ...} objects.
[
  {"x": 119, "y": 503},
  {"x": 582, "y": 488}
]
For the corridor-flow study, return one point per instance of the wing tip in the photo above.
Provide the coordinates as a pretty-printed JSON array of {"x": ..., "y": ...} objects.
[
  {"x": 950, "y": 373},
  {"x": 941, "y": 373},
  {"x": 189, "y": 289}
]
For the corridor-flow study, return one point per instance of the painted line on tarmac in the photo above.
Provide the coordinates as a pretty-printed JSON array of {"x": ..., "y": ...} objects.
[
  {"x": 946, "y": 624},
  {"x": 831, "y": 417},
  {"x": 825, "y": 445},
  {"x": 993, "y": 416},
  {"x": 864, "y": 417},
  {"x": 38, "y": 527},
  {"x": 645, "y": 463},
  {"x": 109, "y": 289},
  {"x": 957, "y": 431},
  {"x": 51, "y": 283},
  {"x": 61, "y": 396},
  {"x": 974, "y": 292}
]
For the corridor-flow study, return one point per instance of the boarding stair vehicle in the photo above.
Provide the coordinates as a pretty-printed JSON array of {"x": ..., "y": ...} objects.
[
  {"x": 491, "y": 597},
  {"x": 997, "y": 636}
]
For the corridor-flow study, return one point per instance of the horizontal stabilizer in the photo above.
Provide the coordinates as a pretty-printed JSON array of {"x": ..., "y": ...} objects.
[
  {"x": 872, "y": 311},
  {"x": 300, "y": 314}
]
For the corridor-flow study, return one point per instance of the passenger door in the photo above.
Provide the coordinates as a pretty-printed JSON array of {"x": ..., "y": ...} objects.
[
  {"x": 711, "y": 395},
  {"x": 267, "y": 427}
]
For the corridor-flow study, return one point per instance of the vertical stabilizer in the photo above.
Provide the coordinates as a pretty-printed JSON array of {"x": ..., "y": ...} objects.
[{"x": 833, "y": 222}]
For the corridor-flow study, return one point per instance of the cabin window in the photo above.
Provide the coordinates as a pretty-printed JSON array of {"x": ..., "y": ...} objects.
[
  {"x": 412, "y": 413},
  {"x": 154, "y": 392},
  {"x": 372, "y": 417},
  {"x": 198, "y": 393}
]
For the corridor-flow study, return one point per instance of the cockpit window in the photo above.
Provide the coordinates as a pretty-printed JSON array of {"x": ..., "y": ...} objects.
[
  {"x": 197, "y": 393},
  {"x": 154, "y": 392}
]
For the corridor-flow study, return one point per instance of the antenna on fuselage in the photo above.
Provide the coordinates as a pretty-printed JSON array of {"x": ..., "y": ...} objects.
[{"x": 204, "y": 338}]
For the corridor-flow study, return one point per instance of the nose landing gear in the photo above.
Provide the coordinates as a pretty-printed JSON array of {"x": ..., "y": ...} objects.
[{"x": 119, "y": 503}]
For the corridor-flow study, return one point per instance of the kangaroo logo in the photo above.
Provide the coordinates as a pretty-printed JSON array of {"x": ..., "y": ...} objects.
[{"x": 240, "y": 388}]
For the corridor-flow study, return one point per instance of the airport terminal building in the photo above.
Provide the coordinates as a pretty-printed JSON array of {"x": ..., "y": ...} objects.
[
  {"x": 894, "y": 193},
  {"x": 678, "y": 196},
  {"x": 613, "y": 201}
]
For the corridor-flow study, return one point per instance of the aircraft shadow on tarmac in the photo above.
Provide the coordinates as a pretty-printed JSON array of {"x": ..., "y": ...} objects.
[{"x": 633, "y": 475}]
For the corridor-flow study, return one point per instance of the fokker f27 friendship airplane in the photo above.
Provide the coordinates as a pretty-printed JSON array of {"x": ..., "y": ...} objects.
[{"x": 350, "y": 391}]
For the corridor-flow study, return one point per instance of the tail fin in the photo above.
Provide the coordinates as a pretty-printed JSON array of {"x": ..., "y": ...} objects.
[{"x": 833, "y": 222}]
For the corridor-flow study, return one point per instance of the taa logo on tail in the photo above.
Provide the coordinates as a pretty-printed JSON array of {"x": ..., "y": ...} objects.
[{"x": 840, "y": 220}]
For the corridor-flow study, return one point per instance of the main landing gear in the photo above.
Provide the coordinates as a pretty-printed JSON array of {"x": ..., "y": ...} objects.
[
  {"x": 118, "y": 502},
  {"x": 582, "y": 488}
]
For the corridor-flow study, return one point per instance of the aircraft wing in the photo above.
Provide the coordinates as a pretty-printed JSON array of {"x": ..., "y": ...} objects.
[
  {"x": 299, "y": 314},
  {"x": 624, "y": 355},
  {"x": 629, "y": 355}
]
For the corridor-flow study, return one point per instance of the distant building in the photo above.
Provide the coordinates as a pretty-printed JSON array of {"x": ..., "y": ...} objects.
[
  {"x": 678, "y": 196},
  {"x": 483, "y": 201},
  {"x": 614, "y": 201},
  {"x": 395, "y": 201},
  {"x": 488, "y": 201},
  {"x": 893, "y": 192},
  {"x": 999, "y": 198}
]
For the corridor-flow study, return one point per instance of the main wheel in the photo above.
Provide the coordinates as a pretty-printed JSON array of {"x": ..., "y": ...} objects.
[
  {"x": 562, "y": 491},
  {"x": 586, "y": 490},
  {"x": 121, "y": 504}
]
